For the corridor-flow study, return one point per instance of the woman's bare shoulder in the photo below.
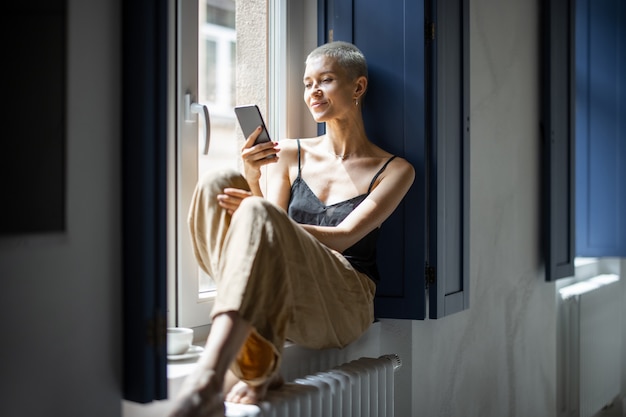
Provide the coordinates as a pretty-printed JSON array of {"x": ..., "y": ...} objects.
[
  {"x": 398, "y": 164},
  {"x": 402, "y": 167},
  {"x": 290, "y": 145},
  {"x": 401, "y": 164},
  {"x": 303, "y": 141},
  {"x": 288, "y": 155},
  {"x": 398, "y": 171},
  {"x": 402, "y": 172}
]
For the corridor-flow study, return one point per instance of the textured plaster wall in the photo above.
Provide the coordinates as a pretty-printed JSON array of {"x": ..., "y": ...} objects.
[{"x": 499, "y": 357}]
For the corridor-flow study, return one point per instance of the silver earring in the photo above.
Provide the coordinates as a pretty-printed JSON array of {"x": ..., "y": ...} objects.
[{"x": 356, "y": 102}]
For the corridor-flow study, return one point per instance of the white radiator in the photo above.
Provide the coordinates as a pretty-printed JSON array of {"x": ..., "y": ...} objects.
[
  {"x": 359, "y": 388},
  {"x": 592, "y": 344}
]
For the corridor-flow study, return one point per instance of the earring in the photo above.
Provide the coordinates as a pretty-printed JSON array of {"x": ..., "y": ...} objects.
[{"x": 356, "y": 102}]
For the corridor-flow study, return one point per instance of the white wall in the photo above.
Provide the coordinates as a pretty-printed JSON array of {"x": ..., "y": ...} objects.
[
  {"x": 498, "y": 358},
  {"x": 60, "y": 295}
]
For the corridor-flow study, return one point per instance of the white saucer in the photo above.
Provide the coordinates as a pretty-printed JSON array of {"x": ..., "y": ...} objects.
[{"x": 193, "y": 352}]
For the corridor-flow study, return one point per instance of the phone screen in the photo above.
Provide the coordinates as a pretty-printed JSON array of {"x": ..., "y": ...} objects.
[{"x": 249, "y": 117}]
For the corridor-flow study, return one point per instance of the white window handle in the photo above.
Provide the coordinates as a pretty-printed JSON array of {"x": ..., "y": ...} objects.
[{"x": 203, "y": 111}]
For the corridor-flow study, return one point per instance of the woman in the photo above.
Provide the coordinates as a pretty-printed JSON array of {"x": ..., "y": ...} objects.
[{"x": 298, "y": 263}]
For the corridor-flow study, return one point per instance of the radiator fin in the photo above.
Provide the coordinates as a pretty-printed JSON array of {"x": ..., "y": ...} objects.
[{"x": 360, "y": 388}]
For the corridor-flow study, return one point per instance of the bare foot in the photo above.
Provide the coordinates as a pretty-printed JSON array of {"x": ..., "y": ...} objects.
[
  {"x": 200, "y": 396},
  {"x": 247, "y": 394}
]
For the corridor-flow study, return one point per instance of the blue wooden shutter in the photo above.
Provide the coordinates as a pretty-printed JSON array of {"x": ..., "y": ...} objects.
[
  {"x": 392, "y": 39},
  {"x": 557, "y": 126},
  {"x": 601, "y": 128},
  {"x": 448, "y": 158},
  {"x": 396, "y": 112},
  {"x": 144, "y": 115}
]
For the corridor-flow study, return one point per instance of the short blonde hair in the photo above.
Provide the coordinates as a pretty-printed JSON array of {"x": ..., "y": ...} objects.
[{"x": 347, "y": 56}]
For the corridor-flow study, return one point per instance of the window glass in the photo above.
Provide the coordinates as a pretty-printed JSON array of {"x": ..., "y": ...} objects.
[
  {"x": 217, "y": 39},
  {"x": 205, "y": 60},
  {"x": 217, "y": 45}
]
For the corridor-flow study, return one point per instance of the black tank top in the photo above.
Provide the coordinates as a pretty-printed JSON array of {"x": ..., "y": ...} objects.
[{"x": 306, "y": 208}]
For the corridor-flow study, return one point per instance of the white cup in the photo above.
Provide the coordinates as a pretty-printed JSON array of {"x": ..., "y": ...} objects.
[{"x": 178, "y": 340}]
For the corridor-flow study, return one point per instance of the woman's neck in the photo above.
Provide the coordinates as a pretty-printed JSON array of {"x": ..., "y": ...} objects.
[
  {"x": 346, "y": 134},
  {"x": 346, "y": 139}
]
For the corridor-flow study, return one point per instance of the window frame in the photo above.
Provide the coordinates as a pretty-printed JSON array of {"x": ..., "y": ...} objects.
[
  {"x": 187, "y": 307},
  {"x": 286, "y": 113}
]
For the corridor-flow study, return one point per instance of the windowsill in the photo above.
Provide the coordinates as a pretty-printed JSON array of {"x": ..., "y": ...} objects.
[
  {"x": 582, "y": 262},
  {"x": 293, "y": 355},
  {"x": 588, "y": 268}
]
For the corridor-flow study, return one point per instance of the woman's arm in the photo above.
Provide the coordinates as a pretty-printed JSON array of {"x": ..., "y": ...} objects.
[
  {"x": 256, "y": 156},
  {"x": 281, "y": 175},
  {"x": 253, "y": 157},
  {"x": 372, "y": 212}
]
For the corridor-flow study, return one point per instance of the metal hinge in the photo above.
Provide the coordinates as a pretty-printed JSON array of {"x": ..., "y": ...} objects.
[
  {"x": 430, "y": 275},
  {"x": 156, "y": 331}
]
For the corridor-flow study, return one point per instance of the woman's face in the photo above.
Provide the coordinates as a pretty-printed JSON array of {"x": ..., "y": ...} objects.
[{"x": 328, "y": 91}]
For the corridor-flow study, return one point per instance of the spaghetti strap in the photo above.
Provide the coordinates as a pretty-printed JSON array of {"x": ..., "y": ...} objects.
[
  {"x": 299, "y": 169},
  {"x": 369, "y": 189}
]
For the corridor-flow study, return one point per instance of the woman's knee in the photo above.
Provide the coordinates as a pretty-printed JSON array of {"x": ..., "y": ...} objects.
[
  {"x": 255, "y": 206},
  {"x": 259, "y": 211}
]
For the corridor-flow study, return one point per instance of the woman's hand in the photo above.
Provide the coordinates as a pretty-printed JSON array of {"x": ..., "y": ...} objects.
[
  {"x": 232, "y": 198},
  {"x": 256, "y": 156}
]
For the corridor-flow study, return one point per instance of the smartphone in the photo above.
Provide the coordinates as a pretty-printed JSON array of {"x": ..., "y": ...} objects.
[{"x": 250, "y": 118}]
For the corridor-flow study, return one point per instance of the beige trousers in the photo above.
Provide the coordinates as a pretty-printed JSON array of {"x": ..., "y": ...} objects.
[{"x": 279, "y": 278}]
